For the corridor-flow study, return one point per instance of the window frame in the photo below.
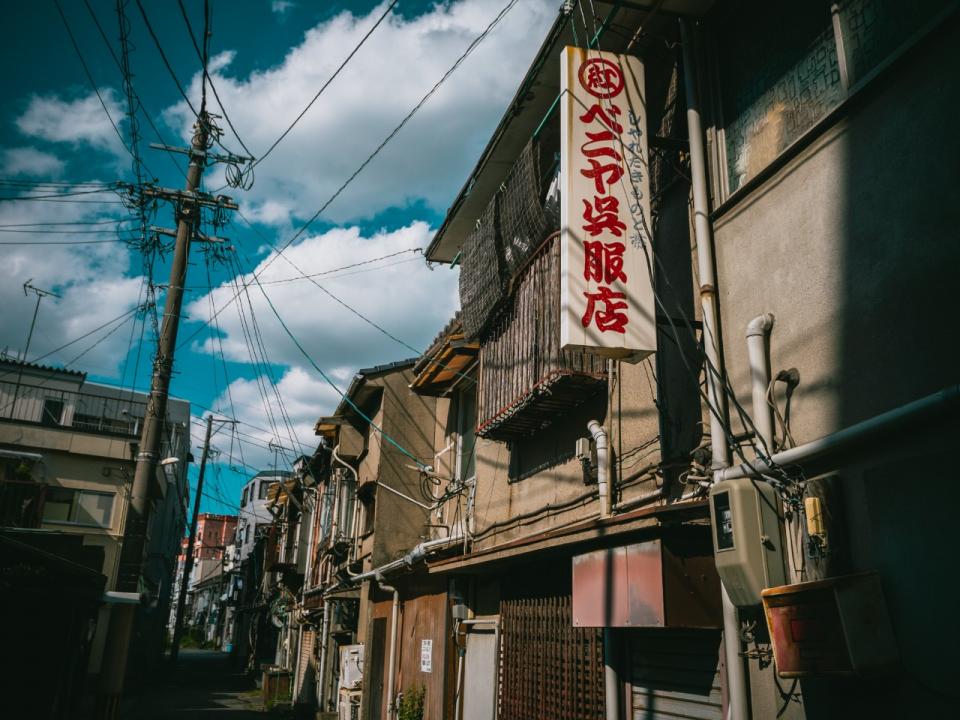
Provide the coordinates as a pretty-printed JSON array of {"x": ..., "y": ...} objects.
[
  {"x": 853, "y": 90},
  {"x": 43, "y": 411},
  {"x": 76, "y": 493}
]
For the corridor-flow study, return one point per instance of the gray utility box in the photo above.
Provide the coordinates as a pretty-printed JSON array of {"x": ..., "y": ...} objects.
[{"x": 746, "y": 538}]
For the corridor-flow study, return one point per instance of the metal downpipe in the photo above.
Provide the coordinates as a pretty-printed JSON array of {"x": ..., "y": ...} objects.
[
  {"x": 737, "y": 688},
  {"x": 394, "y": 633},
  {"x": 322, "y": 665},
  {"x": 599, "y": 434}
]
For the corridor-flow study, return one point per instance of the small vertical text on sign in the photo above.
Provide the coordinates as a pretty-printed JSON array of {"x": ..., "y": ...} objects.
[{"x": 426, "y": 655}]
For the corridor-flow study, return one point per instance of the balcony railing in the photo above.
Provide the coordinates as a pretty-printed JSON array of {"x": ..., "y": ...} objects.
[{"x": 84, "y": 412}]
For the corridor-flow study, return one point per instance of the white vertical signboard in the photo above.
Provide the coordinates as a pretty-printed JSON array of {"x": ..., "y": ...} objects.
[
  {"x": 606, "y": 291},
  {"x": 426, "y": 656}
]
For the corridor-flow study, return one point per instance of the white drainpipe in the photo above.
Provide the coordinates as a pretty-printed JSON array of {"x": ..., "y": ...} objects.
[
  {"x": 599, "y": 434},
  {"x": 611, "y": 679},
  {"x": 737, "y": 688},
  {"x": 394, "y": 633},
  {"x": 354, "y": 530},
  {"x": 758, "y": 357},
  {"x": 322, "y": 666}
]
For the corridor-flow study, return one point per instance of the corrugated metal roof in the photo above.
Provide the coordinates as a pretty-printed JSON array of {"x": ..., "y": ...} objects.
[{"x": 42, "y": 368}]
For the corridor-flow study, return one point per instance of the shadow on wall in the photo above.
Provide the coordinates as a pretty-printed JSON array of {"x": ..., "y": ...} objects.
[{"x": 899, "y": 255}]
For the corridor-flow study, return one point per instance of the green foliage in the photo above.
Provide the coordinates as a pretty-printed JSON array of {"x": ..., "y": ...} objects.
[{"x": 411, "y": 703}]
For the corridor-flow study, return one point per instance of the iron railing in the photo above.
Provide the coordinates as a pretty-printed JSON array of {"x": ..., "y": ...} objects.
[{"x": 82, "y": 411}]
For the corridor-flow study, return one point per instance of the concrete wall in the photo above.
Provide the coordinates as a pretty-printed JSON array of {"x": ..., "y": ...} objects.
[{"x": 853, "y": 246}]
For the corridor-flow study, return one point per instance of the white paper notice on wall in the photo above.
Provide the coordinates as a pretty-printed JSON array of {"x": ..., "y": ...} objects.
[
  {"x": 606, "y": 255},
  {"x": 426, "y": 655}
]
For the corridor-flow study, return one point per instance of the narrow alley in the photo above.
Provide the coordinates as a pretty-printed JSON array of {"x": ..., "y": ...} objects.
[{"x": 203, "y": 684}]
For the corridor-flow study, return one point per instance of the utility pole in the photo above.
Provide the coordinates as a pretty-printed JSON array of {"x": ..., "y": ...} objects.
[
  {"x": 130, "y": 566},
  {"x": 188, "y": 560}
]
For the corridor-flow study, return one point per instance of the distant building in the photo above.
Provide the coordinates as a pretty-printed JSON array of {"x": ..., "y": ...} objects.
[
  {"x": 253, "y": 508},
  {"x": 212, "y": 551}
]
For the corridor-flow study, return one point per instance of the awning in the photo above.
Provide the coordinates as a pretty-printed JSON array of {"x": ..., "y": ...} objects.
[{"x": 446, "y": 362}]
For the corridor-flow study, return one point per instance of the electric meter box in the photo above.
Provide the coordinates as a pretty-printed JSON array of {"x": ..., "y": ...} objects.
[{"x": 746, "y": 538}]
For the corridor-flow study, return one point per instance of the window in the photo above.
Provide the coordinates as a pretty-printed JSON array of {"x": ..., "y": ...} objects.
[
  {"x": 80, "y": 507},
  {"x": 466, "y": 439},
  {"x": 264, "y": 487},
  {"x": 368, "y": 508},
  {"x": 52, "y": 413},
  {"x": 246, "y": 538},
  {"x": 243, "y": 498},
  {"x": 785, "y": 65}
]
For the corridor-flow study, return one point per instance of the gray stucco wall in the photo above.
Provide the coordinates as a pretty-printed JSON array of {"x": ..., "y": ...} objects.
[{"x": 854, "y": 247}]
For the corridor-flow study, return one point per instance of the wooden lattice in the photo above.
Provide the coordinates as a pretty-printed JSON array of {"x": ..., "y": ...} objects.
[{"x": 549, "y": 670}]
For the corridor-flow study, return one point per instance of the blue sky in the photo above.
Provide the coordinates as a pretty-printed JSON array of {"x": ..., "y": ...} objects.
[{"x": 268, "y": 59}]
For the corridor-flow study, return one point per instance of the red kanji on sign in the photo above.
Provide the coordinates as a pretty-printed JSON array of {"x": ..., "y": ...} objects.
[
  {"x": 601, "y": 78},
  {"x": 602, "y": 136},
  {"x": 597, "y": 171},
  {"x": 606, "y": 216},
  {"x": 609, "y": 318},
  {"x": 595, "y": 111},
  {"x": 603, "y": 262}
]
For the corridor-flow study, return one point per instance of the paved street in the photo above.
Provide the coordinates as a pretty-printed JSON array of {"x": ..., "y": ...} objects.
[{"x": 203, "y": 685}]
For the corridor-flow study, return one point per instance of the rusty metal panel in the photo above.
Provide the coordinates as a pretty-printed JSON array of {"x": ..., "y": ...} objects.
[
  {"x": 659, "y": 583},
  {"x": 549, "y": 670}
]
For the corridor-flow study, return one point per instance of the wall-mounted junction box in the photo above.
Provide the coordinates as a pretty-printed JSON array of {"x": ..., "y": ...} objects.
[
  {"x": 746, "y": 538},
  {"x": 837, "y": 626}
]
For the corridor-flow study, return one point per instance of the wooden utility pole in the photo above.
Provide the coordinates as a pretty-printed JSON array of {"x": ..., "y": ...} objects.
[
  {"x": 130, "y": 566},
  {"x": 188, "y": 560}
]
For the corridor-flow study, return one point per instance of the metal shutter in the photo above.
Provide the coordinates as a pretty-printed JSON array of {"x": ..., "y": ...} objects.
[
  {"x": 675, "y": 674},
  {"x": 304, "y": 679}
]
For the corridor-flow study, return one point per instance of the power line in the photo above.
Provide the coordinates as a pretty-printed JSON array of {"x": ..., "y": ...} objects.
[
  {"x": 54, "y": 184},
  {"x": 63, "y": 242},
  {"x": 330, "y": 382},
  {"x": 76, "y": 222},
  {"x": 393, "y": 133},
  {"x": 73, "y": 193},
  {"x": 70, "y": 362},
  {"x": 163, "y": 56},
  {"x": 284, "y": 280},
  {"x": 140, "y": 105},
  {"x": 279, "y": 251},
  {"x": 209, "y": 78},
  {"x": 93, "y": 83},
  {"x": 67, "y": 199},
  {"x": 336, "y": 72},
  {"x": 60, "y": 232}
]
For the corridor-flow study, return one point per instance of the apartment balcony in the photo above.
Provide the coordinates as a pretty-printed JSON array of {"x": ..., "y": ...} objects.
[{"x": 80, "y": 411}]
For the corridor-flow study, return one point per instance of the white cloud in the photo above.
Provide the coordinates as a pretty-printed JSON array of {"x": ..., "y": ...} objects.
[
  {"x": 404, "y": 57},
  {"x": 305, "y": 397},
  {"x": 280, "y": 7},
  {"x": 80, "y": 121},
  {"x": 92, "y": 280},
  {"x": 400, "y": 294},
  {"x": 31, "y": 162}
]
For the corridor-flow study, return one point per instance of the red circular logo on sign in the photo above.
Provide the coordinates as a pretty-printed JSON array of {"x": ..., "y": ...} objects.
[{"x": 601, "y": 78}]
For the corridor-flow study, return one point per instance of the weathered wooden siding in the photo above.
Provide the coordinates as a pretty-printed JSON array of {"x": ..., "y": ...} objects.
[{"x": 525, "y": 378}]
